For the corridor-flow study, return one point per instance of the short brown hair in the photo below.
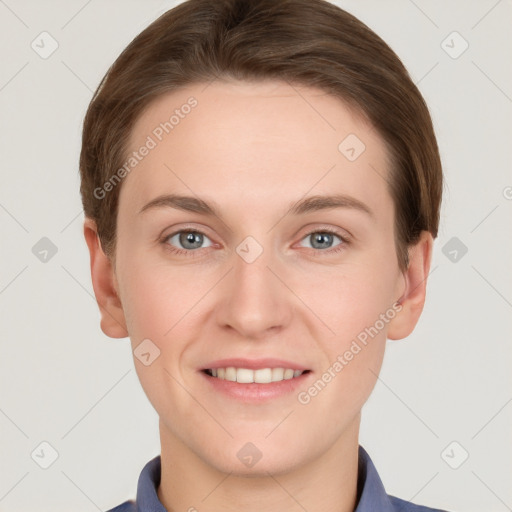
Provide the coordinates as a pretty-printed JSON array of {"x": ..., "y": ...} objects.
[{"x": 305, "y": 42}]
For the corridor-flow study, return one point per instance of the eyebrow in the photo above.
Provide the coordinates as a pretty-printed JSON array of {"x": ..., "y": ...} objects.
[{"x": 307, "y": 205}]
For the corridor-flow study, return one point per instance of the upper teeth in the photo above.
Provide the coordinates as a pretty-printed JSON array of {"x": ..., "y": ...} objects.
[{"x": 261, "y": 376}]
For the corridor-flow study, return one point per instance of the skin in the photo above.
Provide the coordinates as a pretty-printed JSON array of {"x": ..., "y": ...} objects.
[{"x": 254, "y": 149}]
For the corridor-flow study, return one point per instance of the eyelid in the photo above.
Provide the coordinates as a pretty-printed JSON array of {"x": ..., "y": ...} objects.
[
  {"x": 336, "y": 230},
  {"x": 342, "y": 233},
  {"x": 187, "y": 227}
]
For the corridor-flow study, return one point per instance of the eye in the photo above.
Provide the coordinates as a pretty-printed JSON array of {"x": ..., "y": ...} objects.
[
  {"x": 187, "y": 242},
  {"x": 190, "y": 240},
  {"x": 323, "y": 239}
]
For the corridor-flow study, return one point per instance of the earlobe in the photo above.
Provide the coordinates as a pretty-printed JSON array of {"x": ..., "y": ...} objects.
[
  {"x": 413, "y": 298},
  {"x": 113, "y": 322}
]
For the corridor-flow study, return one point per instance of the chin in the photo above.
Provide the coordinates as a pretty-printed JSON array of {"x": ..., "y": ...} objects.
[
  {"x": 261, "y": 469},
  {"x": 256, "y": 459}
]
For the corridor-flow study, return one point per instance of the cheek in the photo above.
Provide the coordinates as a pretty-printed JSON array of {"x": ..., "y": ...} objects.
[
  {"x": 338, "y": 302},
  {"x": 347, "y": 300},
  {"x": 152, "y": 300},
  {"x": 353, "y": 347},
  {"x": 355, "y": 307}
]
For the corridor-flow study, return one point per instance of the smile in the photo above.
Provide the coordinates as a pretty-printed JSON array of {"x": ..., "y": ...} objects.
[{"x": 259, "y": 376}]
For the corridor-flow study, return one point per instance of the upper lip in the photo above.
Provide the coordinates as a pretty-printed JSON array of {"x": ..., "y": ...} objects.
[{"x": 254, "y": 364}]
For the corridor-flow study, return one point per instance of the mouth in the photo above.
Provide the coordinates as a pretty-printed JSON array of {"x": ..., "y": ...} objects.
[{"x": 250, "y": 376}]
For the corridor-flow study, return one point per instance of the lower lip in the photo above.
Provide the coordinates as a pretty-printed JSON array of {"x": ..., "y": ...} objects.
[{"x": 255, "y": 392}]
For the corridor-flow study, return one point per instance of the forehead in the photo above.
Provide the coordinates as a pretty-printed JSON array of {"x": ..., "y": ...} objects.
[{"x": 254, "y": 145}]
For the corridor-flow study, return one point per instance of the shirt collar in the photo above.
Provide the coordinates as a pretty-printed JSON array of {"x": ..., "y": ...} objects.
[{"x": 370, "y": 490}]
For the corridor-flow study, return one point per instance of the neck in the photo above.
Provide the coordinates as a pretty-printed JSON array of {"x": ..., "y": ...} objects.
[{"x": 327, "y": 483}]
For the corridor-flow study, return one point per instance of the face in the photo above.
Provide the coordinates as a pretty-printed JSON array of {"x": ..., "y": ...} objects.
[{"x": 255, "y": 272}]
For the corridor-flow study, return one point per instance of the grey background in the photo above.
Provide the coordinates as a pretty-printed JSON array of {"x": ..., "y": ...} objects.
[{"x": 64, "y": 382}]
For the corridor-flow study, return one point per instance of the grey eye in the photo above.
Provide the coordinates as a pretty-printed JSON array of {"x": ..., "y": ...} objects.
[
  {"x": 188, "y": 240},
  {"x": 321, "y": 239}
]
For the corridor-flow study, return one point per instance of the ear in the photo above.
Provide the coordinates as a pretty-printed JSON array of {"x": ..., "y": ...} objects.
[
  {"x": 104, "y": 283},
  {"x": 413, "y": 297}
]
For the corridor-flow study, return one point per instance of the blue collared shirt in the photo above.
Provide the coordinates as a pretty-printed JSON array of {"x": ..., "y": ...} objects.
[{"x": 370, "y": 491}]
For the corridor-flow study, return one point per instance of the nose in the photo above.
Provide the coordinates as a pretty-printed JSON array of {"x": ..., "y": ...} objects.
[{"x": 254, "y": 300}]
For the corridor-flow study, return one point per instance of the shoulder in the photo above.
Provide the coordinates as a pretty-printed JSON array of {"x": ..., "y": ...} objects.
[
  {"x": 400, "y": 505},
  {"x": 127, "y": 506}
]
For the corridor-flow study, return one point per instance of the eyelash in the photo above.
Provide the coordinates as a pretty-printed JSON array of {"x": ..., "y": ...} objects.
[{"x": 189, "y": 253}]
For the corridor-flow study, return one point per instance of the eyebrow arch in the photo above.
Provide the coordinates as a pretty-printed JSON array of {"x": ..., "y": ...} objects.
[
  {"x": 310, "y": 204},
  {"x": 316, "y": 203}
]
